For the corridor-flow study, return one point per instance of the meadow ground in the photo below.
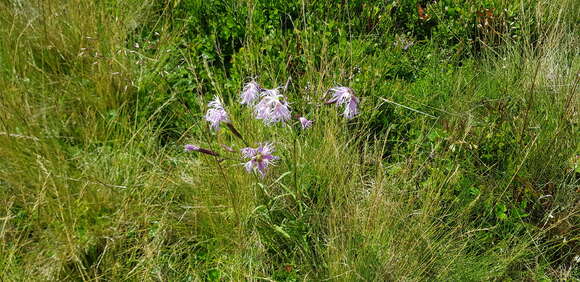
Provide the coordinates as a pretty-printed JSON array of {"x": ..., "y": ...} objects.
[{"x": 462, "y": 164}]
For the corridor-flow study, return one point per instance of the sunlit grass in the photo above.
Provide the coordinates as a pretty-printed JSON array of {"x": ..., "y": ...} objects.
[{"x": 95, "y": 184}]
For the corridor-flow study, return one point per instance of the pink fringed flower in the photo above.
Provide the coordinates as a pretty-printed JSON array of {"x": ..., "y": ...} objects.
[
  {"x": 216, "y": 113},
  {"x": 250, "y": 93},
  {"x": 259, "y": 158},
  {"x": 273, "y": 107},
  {"x": 305, "y": 123},
  {"x": 345, "y": 96}
]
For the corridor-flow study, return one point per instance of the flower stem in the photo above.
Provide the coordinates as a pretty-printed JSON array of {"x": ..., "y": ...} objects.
[{"x": 236, "y": 132}]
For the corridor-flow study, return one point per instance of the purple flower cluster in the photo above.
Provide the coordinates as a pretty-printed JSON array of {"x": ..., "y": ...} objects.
[
  {"x": 305, "y": 123},
  {"x": 216, "y": 114},
  {"x": 250, "y": 93},
  {"x": 259, "y": 158},
  {"x": 345, "y": 96},
  {"x": 272, "y": 108}
]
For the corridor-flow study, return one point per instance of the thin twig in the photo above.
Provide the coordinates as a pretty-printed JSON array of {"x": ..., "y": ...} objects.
[
  {"x": 19, "y": 136},
  {"x": 408, "y": 108}
]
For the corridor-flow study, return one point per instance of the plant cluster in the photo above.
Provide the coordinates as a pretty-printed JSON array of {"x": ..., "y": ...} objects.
[{"x": 270, "y": 106}]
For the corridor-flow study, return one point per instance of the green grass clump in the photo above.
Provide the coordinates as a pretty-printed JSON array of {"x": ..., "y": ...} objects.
[{"x": 462, "y": 165}]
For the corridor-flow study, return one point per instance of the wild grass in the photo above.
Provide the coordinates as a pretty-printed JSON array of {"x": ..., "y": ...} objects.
[{"x": 462, "y": 166}]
